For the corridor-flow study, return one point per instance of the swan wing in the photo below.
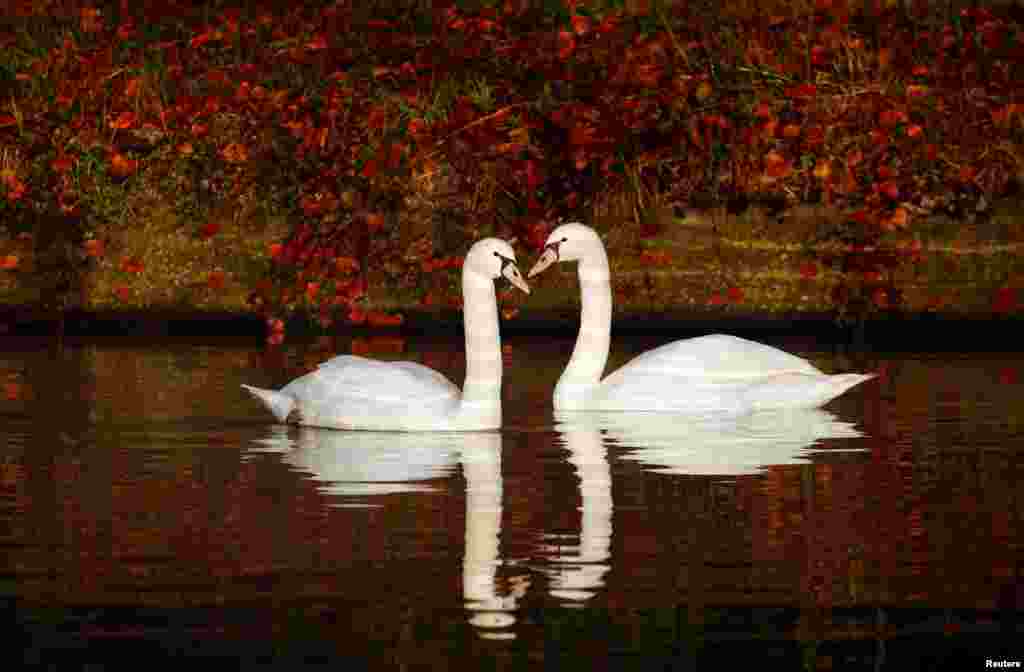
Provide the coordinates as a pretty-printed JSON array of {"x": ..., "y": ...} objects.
[
  {"x": 354, "y": 377},
  {"x": 718, "y": 357}
]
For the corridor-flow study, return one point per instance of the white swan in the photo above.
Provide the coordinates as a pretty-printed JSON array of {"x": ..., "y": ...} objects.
[
  {"x": 708, "y": 373},
  {"x": 349, "y": 392}
]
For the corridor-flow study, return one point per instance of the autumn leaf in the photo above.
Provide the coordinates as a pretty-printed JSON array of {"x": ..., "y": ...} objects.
[
  {"x": 356, "y": 316},
  {"x": 890, "y": 118},
  {"x": 776, "y": 165},
  {"x": 376, "y": 318},
  {"x": 346, "y": 264},
  {"x": 209, "y": 230},
  {"x": 9, "y": 262},
  {"x": 704, "y": 91},
  {"x": 133, "y": 87},
  {"x": 215, "y": 280},
  {"x": 122, "y": 293},
  {"x": 809, "y": 270},
  {"x": 132, "y": 265},
  {"x": 62, "y": 164},
  {"x": 580, "y": 24},
  {"x": 566, "y": 44},
  {"x": 374, "y": 222},
  {"x": 823, "y": 169},
  {"x": 121, "y": 166},
  {"x": 94, "y": 248},
  {"x": 235, "y": 152},
  {"x": 736, "y": 294}
]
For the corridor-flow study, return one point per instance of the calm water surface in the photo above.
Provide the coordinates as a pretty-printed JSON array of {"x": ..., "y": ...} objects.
[{"x": 149, "y": 506}]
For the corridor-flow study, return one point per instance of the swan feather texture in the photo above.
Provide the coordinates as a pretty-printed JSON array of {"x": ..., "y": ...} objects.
[
  {"x": 717, "y": 372},
  {"x": 351, "y": 392}
]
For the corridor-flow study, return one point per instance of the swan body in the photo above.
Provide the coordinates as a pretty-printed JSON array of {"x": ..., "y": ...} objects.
[
  {"x": 350, "y": 392},
  {"x": 708, "y": 373}
]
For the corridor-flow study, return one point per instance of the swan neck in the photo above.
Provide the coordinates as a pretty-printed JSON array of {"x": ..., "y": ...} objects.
[
  {"x": 482, "y": 387},
  {"x": 590, "y": 354}
]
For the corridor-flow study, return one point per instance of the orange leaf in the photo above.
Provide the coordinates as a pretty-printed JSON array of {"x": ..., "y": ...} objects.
[
  {"x": 215, "y": 280},
  {"x": 823, "y": 169},
  {"x": 374, "y": 222},
  {"x": 123, "y": 121},
  {"x": 122, "y": 166},
  {"x": 133, "y": 87},
  {"x": 235, "y": 152},
  {"x": 704, "y": 91},
  {"x": 899, "y": 218},
  {"x": 9, "y": 262},
  {"x": 94, "y": 248},
  {"x": 132, "y": 265},
  {"x": 791, "y": 131},
  {"x": 580, "y": 24},
  {"x": 346, "y": 264},
  {"x": 776, "y": 165}
]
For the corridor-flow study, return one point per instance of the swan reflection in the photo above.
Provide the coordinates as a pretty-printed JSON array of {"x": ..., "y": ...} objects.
[
  {"x": 708, "y": 444},
  {"x": 712, "y": 444},
  {"x": 578, "y": 570},
  {"x": 368, "y": 464}
]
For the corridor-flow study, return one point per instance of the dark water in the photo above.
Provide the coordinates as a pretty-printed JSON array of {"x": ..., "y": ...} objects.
[{"x": 149, "y": 508}]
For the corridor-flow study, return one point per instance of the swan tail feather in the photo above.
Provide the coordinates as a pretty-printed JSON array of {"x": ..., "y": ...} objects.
[
  {"x": 783, "y": 393},
  {"x": 281, "y": 405}
]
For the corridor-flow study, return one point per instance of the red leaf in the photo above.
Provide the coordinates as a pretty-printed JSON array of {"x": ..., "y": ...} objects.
[
  {"x": 809, "y": 270},
  {"x": 566, "y": 44},
  {"x": 736, "y": 294},
  {"x": 209, "y": 230},
  {"x": 369, "y": 170}
]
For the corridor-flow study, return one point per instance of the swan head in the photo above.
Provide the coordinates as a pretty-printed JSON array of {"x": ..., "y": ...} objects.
[
  {"x": 494, "y": 258},
  {"x": 568, "y": 242}
]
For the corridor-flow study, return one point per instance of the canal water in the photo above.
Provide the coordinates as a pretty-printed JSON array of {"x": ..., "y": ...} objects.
[{"x": 149, "y": 507}]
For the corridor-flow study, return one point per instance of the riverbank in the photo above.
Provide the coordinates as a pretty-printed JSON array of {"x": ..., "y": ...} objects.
[{"x": 907, "y": 332}]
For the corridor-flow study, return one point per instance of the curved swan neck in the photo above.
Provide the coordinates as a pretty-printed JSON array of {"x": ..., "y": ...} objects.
[
  {"x": 483, "y": 342},
  {"x": 593, "y": 342}
]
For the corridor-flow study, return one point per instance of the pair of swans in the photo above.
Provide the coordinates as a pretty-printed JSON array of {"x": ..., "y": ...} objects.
[{"x": 716, "y": 373}]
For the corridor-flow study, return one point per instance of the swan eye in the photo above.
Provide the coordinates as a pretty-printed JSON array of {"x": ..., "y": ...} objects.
[{"x": 505, "y": 261}]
